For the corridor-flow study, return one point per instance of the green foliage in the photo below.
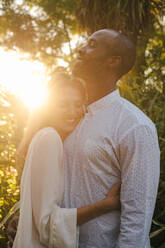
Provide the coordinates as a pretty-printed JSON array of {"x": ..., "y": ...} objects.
[
  {"x": 9, "y": 195},
  {"x": 132, "y": 17},
  {"x": 12, "y": 120},
  {"x": 39, "y": 28}
]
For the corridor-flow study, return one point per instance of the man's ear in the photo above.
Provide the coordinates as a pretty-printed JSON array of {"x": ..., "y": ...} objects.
[{"x": 114, "y": 61}]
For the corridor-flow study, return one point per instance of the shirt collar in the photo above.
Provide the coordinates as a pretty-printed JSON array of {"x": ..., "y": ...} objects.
[{"x": 103, "y": 102}]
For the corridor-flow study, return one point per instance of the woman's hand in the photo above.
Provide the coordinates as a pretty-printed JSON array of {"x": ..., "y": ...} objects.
[{"x": 112, "y": 200}]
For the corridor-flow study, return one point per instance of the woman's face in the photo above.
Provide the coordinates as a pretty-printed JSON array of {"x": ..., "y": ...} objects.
[{"x": 68, "y": 109}]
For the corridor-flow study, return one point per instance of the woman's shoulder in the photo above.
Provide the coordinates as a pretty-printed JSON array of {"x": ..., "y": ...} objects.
[
  {"x": 47, "y": 131},
  {"x": 46, "y": 135}
]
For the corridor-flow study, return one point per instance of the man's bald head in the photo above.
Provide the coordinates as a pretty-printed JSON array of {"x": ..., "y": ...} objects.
[
  {"x": 119, "y": 45},
  {"x": 102, "y": 47}
]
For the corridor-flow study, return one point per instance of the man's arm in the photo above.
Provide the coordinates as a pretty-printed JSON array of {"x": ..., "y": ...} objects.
[{"x": 139, "y": 161}]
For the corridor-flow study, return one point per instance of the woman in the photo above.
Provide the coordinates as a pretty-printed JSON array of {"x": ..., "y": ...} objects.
[{"x": 42, "y": 222}]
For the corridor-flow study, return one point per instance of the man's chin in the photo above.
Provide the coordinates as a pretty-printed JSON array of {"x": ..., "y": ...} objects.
[{"x": 79, "y": 69}]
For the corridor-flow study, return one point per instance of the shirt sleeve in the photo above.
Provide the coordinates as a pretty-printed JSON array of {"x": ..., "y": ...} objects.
[
  {"x": 140, "y": 162},
  {"x": 56, "y": 227}
]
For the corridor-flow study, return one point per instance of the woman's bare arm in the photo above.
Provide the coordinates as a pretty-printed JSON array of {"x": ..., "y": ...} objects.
[{"x": 110, "y": 203}]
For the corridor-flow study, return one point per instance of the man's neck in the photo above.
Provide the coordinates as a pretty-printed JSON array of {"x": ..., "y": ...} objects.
[{"x": 96, "y": 90}]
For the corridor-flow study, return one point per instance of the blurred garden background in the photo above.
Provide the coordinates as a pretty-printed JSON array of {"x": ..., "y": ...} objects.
[{"x": 40, "y": 37}]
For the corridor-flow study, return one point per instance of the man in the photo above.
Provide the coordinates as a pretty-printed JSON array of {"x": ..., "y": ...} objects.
[{"x": 115, "y": 141}]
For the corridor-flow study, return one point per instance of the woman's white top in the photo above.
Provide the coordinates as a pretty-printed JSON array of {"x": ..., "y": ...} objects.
[{"x": 42, "y": 222}]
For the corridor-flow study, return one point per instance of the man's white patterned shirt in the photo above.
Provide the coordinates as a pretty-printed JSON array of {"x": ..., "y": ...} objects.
[{"x": 114, "y": 141}]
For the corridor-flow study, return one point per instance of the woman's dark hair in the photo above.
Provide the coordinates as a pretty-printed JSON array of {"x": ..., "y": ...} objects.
[{"x": 63, "y": 79}]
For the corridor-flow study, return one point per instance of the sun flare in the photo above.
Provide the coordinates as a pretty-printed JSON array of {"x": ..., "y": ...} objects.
[
  {"x": 24, "y": 78},
  {"x": 27, "y": 79}
]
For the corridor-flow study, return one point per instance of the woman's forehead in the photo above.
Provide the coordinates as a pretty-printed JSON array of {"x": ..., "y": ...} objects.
[{"x": 68, "y": 92}]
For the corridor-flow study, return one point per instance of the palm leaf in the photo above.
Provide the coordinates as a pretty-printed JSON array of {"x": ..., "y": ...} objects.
[
  {"x": 12, "y": 211},
  {"x": 155, "y": 233}
]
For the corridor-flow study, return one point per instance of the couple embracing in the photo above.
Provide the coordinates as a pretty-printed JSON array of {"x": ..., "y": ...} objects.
[{"x": 78, "y": 158}]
